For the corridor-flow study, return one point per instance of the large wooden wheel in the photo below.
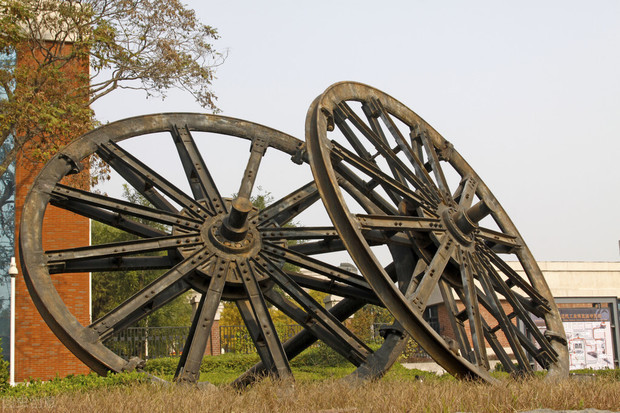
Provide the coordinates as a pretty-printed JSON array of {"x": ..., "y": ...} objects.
[
  {"x": 447, "y": 230},
  {"x": 223, "y": 248}
]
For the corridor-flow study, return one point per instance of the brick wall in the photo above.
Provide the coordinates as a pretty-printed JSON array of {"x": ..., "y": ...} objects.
[
  {"x": 446, "y": 326},
  {"x": 38, "y": 353},
  {"x": 213, "y": 345}
]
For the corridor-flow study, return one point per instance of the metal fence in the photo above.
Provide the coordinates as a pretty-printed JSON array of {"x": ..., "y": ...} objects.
[
  {"x": 149, "y": 342},
  {"x": 155, "y": 342},
  {"x": 236, "y": 339}
]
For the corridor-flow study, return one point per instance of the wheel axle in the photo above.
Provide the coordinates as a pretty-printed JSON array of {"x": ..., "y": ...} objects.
[
  {"x": 235, "y": 225},
  {"x": 467, "y": 220}
]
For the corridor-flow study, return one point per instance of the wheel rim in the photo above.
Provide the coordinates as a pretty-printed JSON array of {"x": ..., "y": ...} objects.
[
  {"x": 223, "y": 248},
  {"x": 404, "y": 167}
]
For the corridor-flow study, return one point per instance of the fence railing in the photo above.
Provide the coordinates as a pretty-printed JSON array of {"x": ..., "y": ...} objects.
[
  {"x": 149, "y": 342},
  {"x": 155, "y": 342},
  {"x": 236, "y": 339}
]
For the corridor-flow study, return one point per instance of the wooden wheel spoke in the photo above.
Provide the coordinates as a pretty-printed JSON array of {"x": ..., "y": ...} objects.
[
  {"x": 312, "y": 308},
  {"x": 319, "y": 283},
  {"x": 157, "y": 293},
  {"x": 400, "y": 171},
  {"x": 318, "y": 320},
  {"x": 374, "y": 135},
  {"x": 302, "y": 340},
  {"x": 542, "y": 357},
  {"x": 64, "y": 194},
  {"x": 464, "y": 194},
  {"x": 119, "y": 249},
  {"x": 399, "y": 223},
  {"x": 136, "y": 180},
  {"x": 423, "y": 179},
  {"x": 260, "y": 325},
  {"x": 254, "y": 330},
  {"x": 134, "y": 309},
  {"x": 134, "y": 165},
  {"x": 299, "y": 233},
  {"x": 403, "y": 175},
  {"x": 431, "y": 153},
  {"x": 410, "y": 285},
  {"x": 257, "y": 151},
  {"x": 433, "y": 273},
  {"x": 516, "y": 303},
  {"x": 457, "y": 324},
  {"x": 362, "y": 192},
  {"x": 489, "y": 333},
  {"x": 498, "y": 241},
  {"x": 188, "y": 369},
  {"x": 539, "y": 303},
  {"x": 312, "y": 264},
  {"x": 200, "y": 180},
  {"x": 113, "y": 219},
  {"x": 147, "y": 262},
  {"x": 417, "y": 150},
  {"x": 472, "y": 308},
  {"x": 290, "y": 206},
  {"x": 498, "y": 349},
  {"x": 343, "y": 112},
  {"x": 492, "y": 303},
  {"x": 318, "y": 247},
  {"x": 513, "y": 335},
  {"x": 393, "y": 187},
  {"x": 328, "y": 244},
  {"x": 376, "y": 237}
]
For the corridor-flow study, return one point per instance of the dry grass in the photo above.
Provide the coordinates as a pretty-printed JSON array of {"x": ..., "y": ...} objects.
[{"x": 333, "y": 396}]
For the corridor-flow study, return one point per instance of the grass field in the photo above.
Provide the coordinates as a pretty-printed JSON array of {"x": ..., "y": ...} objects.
[
  {"x": 334, "y": 396},
  {"x": 316, "y": 389}
]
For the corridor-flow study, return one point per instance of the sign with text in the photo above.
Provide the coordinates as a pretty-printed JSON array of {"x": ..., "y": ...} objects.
[{"x": 589, "y": 338}]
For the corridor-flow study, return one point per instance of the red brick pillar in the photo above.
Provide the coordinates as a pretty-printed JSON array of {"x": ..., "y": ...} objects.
[
  {"x": 215, "y": 348},
  {"x": 38, "y": 353}
]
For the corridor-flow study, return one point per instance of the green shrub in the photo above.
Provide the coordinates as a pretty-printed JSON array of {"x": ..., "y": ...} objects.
[
  {"x": 316, "y": 356},
  {"x": 163, "y": 366},
  {"x": 320, "y": 356},
  {"x": 71, "y": 383},
  {"x": 229, "y": 361},
  {"x": 4, "y": 371},
  {"x": 166, "y": 366},
  {"x": 609, "y": 373}
]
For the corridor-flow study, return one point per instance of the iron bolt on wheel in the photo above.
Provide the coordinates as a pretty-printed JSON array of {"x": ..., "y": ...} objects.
[
  {"x": 452, "y": 237},
  {"x": 225, "y": 249}
]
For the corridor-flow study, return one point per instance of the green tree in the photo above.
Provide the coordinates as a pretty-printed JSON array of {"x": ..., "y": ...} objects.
[
  {"x": 362, "y": 322},
  {"x": 111, "y": 288},
  {"x": 4, "y": 371},
  {"x": 149, "y": 45}
]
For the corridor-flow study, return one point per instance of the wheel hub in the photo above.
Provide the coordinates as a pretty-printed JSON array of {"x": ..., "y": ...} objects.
[
  {"x": 215, "y": 233},
  {"x": 231, "y": 236},
  {"x": 462, "y": 222}
]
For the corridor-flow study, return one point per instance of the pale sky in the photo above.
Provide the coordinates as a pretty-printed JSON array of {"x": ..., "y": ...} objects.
[{"x": 528, "y": 92}]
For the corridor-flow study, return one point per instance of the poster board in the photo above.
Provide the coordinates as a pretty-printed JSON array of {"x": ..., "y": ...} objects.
[
  {"x": 588, "y": 335},
  {"x": 589, "y": 338}
]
